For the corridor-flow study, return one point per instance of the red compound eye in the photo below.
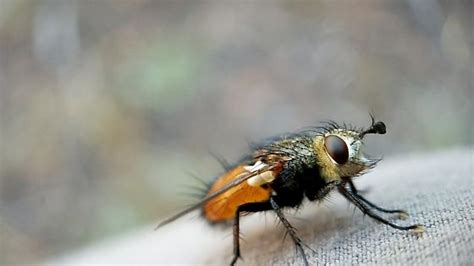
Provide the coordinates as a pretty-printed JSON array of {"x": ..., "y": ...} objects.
[{"x": 337, "y": 149}]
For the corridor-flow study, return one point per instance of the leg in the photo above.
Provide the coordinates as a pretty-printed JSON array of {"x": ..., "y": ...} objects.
[
  {"x": 356, "y": 201},
  {"x": 403, "y": 214},
  {"x": 290, "y": 229},
  {"x": 249, "y": 207}
]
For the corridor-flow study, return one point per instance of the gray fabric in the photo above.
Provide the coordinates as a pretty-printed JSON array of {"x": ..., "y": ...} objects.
[{"x": 436, "y": 189}]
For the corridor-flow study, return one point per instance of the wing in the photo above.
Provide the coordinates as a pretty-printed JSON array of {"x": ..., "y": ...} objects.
[{"x": 256, "y": 174}]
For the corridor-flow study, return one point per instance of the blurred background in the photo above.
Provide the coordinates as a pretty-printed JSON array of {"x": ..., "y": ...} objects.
[{"x": 108, "y": 107}]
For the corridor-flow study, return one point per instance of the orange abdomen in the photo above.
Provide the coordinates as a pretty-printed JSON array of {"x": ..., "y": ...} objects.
[{"x": 224, "y": 206}]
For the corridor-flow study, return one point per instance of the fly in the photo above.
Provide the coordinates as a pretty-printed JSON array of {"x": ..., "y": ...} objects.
[{"x": 282, "y": 172}]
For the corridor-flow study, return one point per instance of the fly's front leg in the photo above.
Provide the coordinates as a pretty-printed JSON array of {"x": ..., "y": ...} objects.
[
  {"x": 401, "y": 213},
  {"x": 417, "y": 228}
]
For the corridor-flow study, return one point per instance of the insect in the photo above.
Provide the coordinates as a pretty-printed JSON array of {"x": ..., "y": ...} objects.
[{"x": 282, "y": 172}]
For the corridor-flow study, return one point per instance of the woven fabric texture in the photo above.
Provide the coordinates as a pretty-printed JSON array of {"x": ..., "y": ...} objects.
[{"x": 435, "y": 189}]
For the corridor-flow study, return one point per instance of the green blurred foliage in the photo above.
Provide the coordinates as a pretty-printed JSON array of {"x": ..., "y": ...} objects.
[
  {"x": 107, "y": 108},
  {"x": 161, "y": 76}
]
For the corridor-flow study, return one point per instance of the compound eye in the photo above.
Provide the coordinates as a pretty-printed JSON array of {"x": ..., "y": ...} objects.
[{"x": 337, "y": 149}]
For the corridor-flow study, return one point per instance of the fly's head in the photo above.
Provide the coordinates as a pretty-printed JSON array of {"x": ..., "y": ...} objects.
[{"x": 339, "y": 151}]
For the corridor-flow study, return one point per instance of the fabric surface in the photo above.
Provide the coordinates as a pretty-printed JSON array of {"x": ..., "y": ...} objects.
[{"x": 435, "y": 189}]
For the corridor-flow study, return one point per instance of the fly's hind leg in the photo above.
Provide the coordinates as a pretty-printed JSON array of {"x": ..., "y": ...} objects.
[
  {"x": 248, "y": 207},
  {"x": 290, "y": 229},
  {"x": 401, "y": 213}
]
